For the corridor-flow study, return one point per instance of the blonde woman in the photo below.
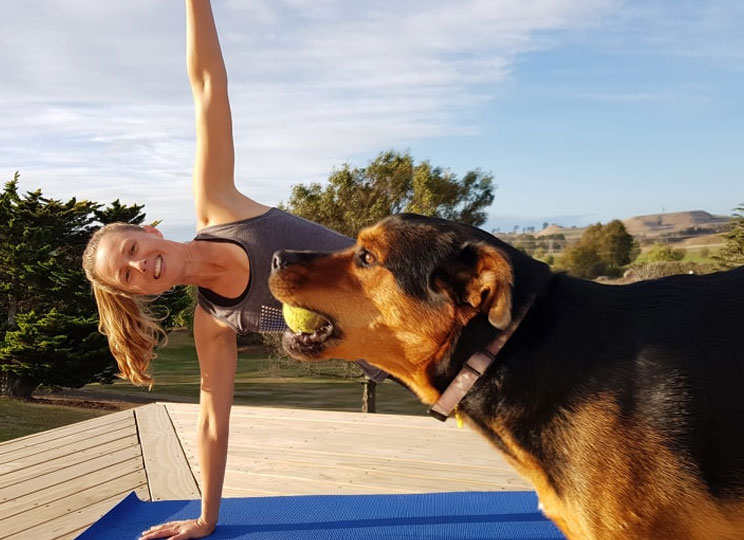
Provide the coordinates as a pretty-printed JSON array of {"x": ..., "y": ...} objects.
[{"x": 229, "y": 261}]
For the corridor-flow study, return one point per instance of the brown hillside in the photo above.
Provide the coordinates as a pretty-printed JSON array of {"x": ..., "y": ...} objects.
[
  {"x": 653, "y": 225},
  {"x": 550, "y": 229},
  {"x": 657, "y": 224}
]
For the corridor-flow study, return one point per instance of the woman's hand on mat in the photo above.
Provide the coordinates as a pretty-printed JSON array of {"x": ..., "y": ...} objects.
[{"x": 179, "y": 530}]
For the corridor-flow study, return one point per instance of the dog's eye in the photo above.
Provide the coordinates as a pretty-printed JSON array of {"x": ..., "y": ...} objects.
[{"x": 367, "y": 258}]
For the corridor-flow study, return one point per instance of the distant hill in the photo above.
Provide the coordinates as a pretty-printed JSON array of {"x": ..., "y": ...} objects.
[
  {"x": 551, "y": 229},
  {"x": 673, "y": 224}
]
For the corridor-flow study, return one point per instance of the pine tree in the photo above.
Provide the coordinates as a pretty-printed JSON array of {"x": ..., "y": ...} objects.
[
  {"x": 49, "y": 333},
  {"x": 120, "y": 212}
]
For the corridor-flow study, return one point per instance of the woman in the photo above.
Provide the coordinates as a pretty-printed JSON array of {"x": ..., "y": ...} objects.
[{"x": 229, "y": 260}]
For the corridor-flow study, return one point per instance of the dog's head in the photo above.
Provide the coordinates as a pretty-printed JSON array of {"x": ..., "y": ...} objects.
[{"x": 400, "y": 297}]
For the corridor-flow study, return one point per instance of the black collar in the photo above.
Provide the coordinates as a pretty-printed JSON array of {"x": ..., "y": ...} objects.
[{"x": 475, "y": 366}]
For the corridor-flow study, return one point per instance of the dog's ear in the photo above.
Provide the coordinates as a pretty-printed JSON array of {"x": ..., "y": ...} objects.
[{"x": 480, "y": 275}]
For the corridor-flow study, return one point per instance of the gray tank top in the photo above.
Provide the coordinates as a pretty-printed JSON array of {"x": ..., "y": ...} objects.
[{"x": 256, "y": 310}]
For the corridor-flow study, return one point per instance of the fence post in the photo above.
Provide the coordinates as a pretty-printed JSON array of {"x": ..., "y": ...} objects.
[{"x": 368, "y": 395}]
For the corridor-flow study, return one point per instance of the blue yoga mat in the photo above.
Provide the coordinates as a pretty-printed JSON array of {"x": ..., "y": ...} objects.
[{"x": 443, "y": 516}]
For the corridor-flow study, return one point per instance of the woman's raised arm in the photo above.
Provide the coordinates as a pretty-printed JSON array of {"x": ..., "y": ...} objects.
[{"x": 216, "y": 198}]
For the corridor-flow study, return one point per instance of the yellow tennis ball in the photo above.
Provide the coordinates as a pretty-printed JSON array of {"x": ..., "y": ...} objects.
[{"x": 301, "y": 320}]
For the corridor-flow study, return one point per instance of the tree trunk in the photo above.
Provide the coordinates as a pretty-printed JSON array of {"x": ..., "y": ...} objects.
[
  {"x": 12, "y": 310},
  {"x": 368, "y": 396},
  {"x": 19, "y": 388}
]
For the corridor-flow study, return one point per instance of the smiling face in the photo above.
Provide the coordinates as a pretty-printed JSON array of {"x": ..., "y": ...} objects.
[
  {"x": 397, "y": 299},
  {"x": 138, "y": 261}
]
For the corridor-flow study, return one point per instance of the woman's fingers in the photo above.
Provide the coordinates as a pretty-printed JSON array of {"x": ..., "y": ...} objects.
[
  {"x": 161, "y": 531},
  {"x": 177, "y": 530}
]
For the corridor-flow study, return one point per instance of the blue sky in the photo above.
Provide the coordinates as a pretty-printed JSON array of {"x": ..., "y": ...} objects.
[{"x": 583, "y": 110}]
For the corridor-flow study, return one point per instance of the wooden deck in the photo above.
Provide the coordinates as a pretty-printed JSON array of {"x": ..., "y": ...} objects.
[{"x": 54, "y": 484}]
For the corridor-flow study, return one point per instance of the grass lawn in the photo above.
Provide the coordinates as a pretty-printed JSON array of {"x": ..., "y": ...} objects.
[
  {"x": 700, "y": 254},
  {"x": 695, "y": 254},
  {"x": 261, "y": 381},
  {"x": 19, "y": 418}
]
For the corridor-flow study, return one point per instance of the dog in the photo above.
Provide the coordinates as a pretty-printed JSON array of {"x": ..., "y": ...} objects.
[{"x": 622, "y": 404}]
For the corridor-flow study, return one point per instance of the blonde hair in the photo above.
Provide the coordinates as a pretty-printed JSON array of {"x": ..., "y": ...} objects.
[{"x": 133, "y": 331}]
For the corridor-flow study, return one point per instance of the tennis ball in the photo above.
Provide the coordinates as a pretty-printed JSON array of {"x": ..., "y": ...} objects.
[{"x": 301, "y": 320}]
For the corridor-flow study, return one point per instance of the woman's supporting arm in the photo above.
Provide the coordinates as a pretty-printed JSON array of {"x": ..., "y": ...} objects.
[{"x": 216, "y": 347}]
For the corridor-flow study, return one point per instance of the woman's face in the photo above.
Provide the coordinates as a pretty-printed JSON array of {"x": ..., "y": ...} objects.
[{"x": 139, "y": 262}]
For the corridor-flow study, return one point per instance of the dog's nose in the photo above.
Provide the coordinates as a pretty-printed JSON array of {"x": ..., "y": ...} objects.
[
  {"x": 284, "y": 258},
  {"x": 276, "y": 261},
  {"x": 288, "y": 257}
]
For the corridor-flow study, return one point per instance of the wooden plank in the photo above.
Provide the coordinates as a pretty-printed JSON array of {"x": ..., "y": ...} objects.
[
  {"x": 353, "y": 456},
  {"x": 15, "y": 493},
  {"x": 39, "y": 495},
  {"x": 310, "y": 415},
  {"x": 370, "y": 479},
  {"x": 409, "y": 472},
  {"x": 466, "y": 449},
  {"x": 393, "y": 442},
  {"x": 339, "y": 422},
  {"x": 249, "y": 483},
  {"x": 66, "y": 450},
  {"x": 168, "y": 473},
  {"x": 69, "y": 511},
  {"x": 79, "y": 428},
  {"x": 71, "y": 438},
  {"x": 53, "y": 465},
  {"x": 257, "y": 485},
  {"x": 71, "y": 535},
  {"x": 304, "y": 429},
  {"x": 69, "y": 525}
]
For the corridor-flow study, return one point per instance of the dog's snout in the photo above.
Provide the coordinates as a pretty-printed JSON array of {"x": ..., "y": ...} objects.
[{"x": 284, "y": 258}]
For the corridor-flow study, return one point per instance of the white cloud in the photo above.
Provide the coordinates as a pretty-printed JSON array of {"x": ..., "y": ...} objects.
[{"x": 95, "y": 101}]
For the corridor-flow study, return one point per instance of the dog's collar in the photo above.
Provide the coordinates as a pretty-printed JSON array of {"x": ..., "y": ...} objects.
[{"x": 475, "y": 366}]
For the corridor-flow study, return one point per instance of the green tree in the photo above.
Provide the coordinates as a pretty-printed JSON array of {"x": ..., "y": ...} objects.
[
  {"x": 582, "y": 260},
  {"x": 601, "y": 250},
  {"x": 177, "y": 307},
  {"x": 49, "y": 334},
  {"x": 55, "y": 349},
  {"x": 616, "y": 245},
  {"x": 732, "y": 254},
  {"x": 354, "y": 198},
  {"x": 119, "y": 212},
  {"x": 660, "y": 253},
  {"x": 41, "y": 241}
]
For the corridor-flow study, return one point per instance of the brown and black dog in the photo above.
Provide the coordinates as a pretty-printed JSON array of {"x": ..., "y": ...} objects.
[{"x": 623, "y": 405}]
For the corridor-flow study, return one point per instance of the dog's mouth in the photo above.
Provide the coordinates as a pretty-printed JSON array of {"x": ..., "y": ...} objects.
[{"x": 305, "y": 344}]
